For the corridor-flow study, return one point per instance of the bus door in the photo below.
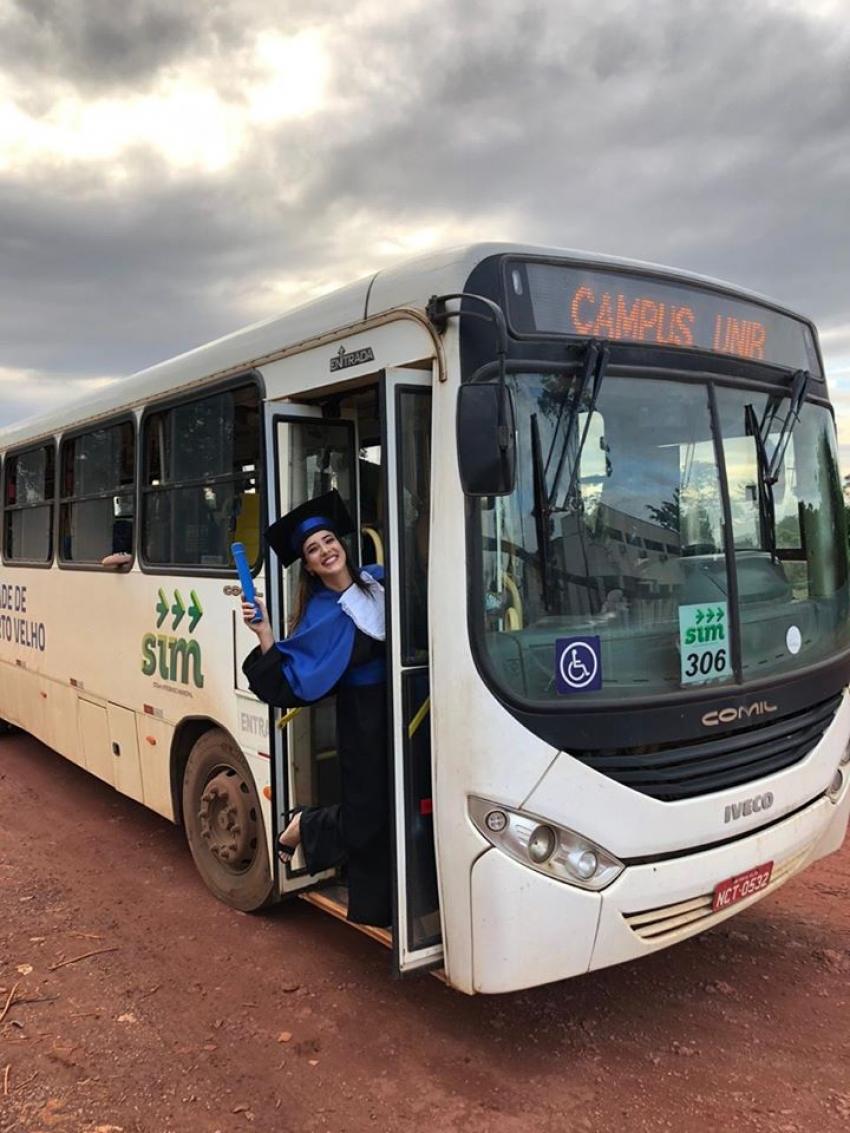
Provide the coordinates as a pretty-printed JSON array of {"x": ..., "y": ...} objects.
[
  {"x": 406, "y": 458},
  {"x": 312, "y": 454}
]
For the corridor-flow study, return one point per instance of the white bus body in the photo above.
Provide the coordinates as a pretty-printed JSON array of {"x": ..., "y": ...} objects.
[{"x": 92, "y": 666}]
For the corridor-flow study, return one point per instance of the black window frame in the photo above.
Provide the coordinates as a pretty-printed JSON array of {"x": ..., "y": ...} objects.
[
  {"x": 75, "y": 434},
  {"x": 245, "y": 378},
  {"x": 409, "y": 656},
  {"x": 49, "y": 501}
]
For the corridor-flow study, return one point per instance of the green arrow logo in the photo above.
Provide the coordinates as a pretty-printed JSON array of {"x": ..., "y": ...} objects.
[
  {"x": 709, "y": 617},
  {"x": 178, "y": 609},
  {"x": 699, "y": 616},
  {"x": 161, "y": 608},
  {"x": 718, "y": 613},
  {"x": 196, "y": 610}
]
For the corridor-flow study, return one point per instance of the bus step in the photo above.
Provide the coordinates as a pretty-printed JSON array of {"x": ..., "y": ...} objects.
[{"x": 333, "y": 898}]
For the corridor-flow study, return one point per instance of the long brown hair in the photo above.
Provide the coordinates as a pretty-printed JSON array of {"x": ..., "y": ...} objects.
[{"x": 308, "y": 585}]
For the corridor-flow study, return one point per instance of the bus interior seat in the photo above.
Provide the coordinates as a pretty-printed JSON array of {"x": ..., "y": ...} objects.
[
  {"x": 513, "y": 611},
  {"x": 247, "y": 526}
]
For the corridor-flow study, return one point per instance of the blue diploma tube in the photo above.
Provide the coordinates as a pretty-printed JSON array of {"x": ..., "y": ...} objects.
[{"x": 247, "y": 582}]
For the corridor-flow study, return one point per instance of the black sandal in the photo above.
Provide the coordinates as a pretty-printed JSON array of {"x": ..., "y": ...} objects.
[{"x": 285, "y": 851}]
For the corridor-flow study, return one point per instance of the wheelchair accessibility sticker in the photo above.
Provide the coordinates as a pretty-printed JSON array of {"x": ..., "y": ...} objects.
[{"x": 578, "y": 664}]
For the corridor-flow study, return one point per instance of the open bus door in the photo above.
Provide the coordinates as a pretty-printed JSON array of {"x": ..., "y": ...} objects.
[
  {"x": 406, "y": 458},
  {"x": 311, "y": 455}
]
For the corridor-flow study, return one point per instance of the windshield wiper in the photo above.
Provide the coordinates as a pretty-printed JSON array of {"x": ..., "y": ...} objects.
[
  {"x": 589, "y": 365},
  {"x": 799, "y": 385},
  {"x": 595, "y": 363},
  {"x": 767, "y": 512},
  {"x": 598, "y": 378},
  {"x": 541, "y": 508},
  {"x": 590, "y": 358}
]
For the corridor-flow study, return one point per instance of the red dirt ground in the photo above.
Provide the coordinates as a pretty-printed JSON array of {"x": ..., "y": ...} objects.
[{"x": 200, "y": 1019}]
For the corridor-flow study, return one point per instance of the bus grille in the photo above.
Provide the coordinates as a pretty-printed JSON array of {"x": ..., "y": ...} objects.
[
  {"x": 674, "y": 922},
  {"x": 671, "y": 772}
]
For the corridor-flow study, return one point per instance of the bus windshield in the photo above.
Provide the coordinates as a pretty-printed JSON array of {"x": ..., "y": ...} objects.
[{"x": 615, "y": 533}]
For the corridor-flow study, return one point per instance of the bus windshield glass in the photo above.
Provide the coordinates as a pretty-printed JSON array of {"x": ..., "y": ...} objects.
[{"x": 615, "y": 533}]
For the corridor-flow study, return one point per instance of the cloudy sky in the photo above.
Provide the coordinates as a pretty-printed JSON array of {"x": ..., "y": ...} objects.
[{"x": 172, "y": 171}]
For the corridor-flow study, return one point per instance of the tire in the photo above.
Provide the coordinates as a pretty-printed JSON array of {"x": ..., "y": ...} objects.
[{"x": 224, "y": 823}]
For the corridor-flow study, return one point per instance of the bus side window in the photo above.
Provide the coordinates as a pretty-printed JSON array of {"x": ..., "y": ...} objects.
[
  {"x": 97, "y": 496},
  {"x": 414, "y": 425},
  {"x": 201, "y": 480},
  {"x": 28, "y": 513},
  {"x": 371, "y": 505}
]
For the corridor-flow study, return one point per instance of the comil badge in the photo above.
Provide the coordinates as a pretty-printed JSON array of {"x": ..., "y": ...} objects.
[{"x": 578, "y": 664}]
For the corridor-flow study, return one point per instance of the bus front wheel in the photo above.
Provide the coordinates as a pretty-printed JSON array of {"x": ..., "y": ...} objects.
[{"x": 224, "y": 824}]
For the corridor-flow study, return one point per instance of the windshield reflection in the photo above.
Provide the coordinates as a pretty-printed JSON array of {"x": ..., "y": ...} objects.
[{"x": 635, "y": 546}]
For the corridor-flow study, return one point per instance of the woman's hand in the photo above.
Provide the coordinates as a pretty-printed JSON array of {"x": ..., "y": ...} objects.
[
  {"x": 117, "y": 559},
  {"x": 261, "y": 628}
]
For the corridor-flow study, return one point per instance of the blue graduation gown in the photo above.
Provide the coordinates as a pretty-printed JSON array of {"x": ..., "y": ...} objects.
[{"x": 327, "y": 653}]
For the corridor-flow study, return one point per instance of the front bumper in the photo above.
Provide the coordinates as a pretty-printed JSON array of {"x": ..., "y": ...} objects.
[
  {"x": 528, "y": 929},
  {"x": 652, "y": 906}
]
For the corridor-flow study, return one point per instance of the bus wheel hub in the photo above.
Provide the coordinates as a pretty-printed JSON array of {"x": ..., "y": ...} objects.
[{"x": 227, "y": 824}]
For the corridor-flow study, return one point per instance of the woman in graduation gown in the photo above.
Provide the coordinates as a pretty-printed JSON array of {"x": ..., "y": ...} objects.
[{"x": 335, "y": 644}]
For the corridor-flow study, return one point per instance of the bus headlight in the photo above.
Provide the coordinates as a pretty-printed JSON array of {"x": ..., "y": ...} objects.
[
  {"x": 544, "y": 846},
  {"x": 586, "y": 864},
  {"x": 845, "y": 759},
  {"x": 541, "y": 844}
]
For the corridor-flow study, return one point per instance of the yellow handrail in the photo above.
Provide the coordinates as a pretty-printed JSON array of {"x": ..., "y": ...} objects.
[
  {"x": 377, "y": 541},
  {"x": 287, "y": 716},
  {"x": 413, "y": 726},
  {"x": 516, "y": 602}
]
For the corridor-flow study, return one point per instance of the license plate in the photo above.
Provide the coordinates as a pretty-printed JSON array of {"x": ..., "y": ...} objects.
[{"x": 736, "y": 889}]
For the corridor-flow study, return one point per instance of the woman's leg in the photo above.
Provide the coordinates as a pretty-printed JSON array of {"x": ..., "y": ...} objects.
[
  {"x": 364, "y": 818},
  {"x": 321, "y": 837},
  {"x": 356, "y": 830}
]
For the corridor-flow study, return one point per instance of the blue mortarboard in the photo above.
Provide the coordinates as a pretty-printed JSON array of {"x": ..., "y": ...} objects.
[{"x": 324, "y": 513}]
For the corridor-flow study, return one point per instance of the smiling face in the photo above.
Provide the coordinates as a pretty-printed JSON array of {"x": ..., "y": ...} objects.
[{"x": 324, "y": 557}]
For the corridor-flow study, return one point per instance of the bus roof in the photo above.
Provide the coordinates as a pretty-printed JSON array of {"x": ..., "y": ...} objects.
[{"x": 408, "y": 284}]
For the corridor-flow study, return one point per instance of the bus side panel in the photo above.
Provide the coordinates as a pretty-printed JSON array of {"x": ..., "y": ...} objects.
[
  {"x": 94, "y": 737},
  {"x": 125, "y": 750},
  {"x": 32, "y": 705},
  {"x": 10, "y": 693},
  {"x": 62, "y": 732},
  {"x": 154, "y": 740}
]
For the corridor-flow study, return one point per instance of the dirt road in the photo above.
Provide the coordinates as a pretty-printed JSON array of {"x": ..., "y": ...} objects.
[{"x": 191, "y": 1018}]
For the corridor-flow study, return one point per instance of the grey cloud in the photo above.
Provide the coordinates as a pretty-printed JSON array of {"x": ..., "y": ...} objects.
[
  {"x": 713, "y": 137},
  {"x": 108, "y": 45},
  {"x": 99, "y": 282},
  {"x": 95, "y": 44},
  {"x": 716, "y": 143}
]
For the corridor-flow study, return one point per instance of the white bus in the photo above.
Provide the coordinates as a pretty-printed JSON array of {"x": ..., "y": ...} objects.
[{"x": 608, "y": 503}]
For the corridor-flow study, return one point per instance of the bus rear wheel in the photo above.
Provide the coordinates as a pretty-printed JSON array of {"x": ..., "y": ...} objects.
[{"x": 224, "y": 825}]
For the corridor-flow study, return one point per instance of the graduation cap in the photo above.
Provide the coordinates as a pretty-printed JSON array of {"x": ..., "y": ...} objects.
[{"x": 325, "y": 513}]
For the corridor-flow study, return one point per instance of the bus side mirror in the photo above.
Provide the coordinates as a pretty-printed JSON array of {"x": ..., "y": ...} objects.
[{"x": 486, "y": 448}]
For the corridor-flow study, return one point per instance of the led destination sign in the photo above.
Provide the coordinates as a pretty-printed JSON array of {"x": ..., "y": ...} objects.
[{"x": 557, "y": 299}]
